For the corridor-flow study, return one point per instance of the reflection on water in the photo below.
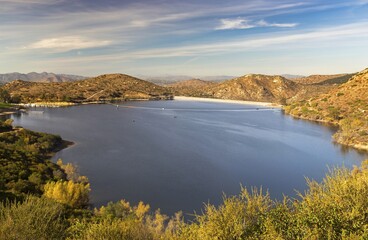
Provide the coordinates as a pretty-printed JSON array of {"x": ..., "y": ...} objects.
[{"x": 174, "y": 156}]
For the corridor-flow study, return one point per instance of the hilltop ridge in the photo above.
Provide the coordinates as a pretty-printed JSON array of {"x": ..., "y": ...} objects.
[
  {"x": 39, "y": 77},
  {"x": 256, "y": 87},
  {"x": 324, "y": 79},
  {"x": 104, "y": 87}
]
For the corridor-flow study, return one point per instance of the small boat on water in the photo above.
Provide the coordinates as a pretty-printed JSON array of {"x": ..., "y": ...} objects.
[{"x": 35, "y": 112}]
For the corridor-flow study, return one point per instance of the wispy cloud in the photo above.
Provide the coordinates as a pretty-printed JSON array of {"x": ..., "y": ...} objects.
[
  {"x": 67, "y": 43},
  {"x": 263, "y": 23},
  {"x": 48, "y": 2},
  {"x": 136, "y": 31},
  {"x": 237, "y": 23},
  {"x": 242, "y": 23},
  {"x": 20, "y": 6},
  {"x": 341, "y": 33}
]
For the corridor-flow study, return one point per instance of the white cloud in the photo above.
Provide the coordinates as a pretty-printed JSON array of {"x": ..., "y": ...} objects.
[
  {"x": 67, "y": 43},
  {"x": 237, "y": 23},
  {"x": 263, "y": 23},
  {"x": 242, "y": 23}
]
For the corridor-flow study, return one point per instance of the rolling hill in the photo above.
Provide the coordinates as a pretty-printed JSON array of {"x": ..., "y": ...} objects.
[
  {"x": 252, "y": 87},
  {"x": 104, "y": 87},
  {"x": 324, "y": 79},
  {"x": 256, "y": 87}
]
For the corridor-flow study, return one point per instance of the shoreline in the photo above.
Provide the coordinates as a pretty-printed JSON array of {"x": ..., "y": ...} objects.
[
  {"x": 265, "y": 104},
  {"x": 6, "y": 113},
  {"x": 361, "y": 146}
]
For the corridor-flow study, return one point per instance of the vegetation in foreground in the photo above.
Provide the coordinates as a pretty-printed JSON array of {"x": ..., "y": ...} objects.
[
  {"x": 52, "y": 203},
  {"x": 346, "y": 106},
  {"x": 337, "y": 208}
]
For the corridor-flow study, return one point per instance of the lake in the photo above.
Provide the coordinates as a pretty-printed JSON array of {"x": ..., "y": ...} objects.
[{"x": 177, "y": 155}]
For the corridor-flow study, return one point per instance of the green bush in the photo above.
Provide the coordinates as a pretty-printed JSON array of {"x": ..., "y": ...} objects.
[{"x": 24, "y": 164}]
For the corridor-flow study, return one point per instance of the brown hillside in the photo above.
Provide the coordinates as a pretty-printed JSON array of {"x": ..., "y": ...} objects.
[
  {"x": 346, "y": 105},
  {"x": 191, "y": 88},
  {"x": 104, "y": 87},
  {"x": 256, "y": 88},
  {"x": 324, "y": 79}
]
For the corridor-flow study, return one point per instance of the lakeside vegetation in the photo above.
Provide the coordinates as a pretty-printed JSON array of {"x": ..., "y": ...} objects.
[
  {"x": 46, "y": 200},
  {"x": 5, "y": 99},
  {"x": 24, "y": 161},
  {"x": 346, "y": 107}
]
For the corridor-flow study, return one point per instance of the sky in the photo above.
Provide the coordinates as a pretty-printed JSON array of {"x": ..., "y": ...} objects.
[{"x": 172, "y": 37}]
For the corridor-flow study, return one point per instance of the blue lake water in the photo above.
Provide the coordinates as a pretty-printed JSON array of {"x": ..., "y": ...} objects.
[{"x": 177, "y": 155}]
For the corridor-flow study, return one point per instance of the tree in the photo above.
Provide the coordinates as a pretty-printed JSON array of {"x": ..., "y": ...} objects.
[{"x": 4, "y": 96}]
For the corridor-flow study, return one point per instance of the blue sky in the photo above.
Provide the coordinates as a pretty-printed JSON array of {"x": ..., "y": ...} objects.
[{"x": 171, "y": 37}]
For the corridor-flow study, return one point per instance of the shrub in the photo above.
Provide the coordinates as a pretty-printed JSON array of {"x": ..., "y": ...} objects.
[
  {"x": 239, "y": 217},
  {"x": 338, "y": 206},
  {"x": 75, "y": 195},
  {"x": 114, "y": 229},
  {"x": 35, "y": 218}
]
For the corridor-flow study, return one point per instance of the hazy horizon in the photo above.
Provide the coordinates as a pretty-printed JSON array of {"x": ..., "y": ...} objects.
[{"x": 210, "y": 38}]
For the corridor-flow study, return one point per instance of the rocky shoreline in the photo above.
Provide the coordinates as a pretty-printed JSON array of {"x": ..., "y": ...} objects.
[{"x": 336, "y": 137}]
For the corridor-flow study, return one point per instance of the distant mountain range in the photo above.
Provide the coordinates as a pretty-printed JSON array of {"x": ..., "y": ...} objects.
[
  {"x": 38, "y": 77},
  {"x": 168, "y": 79},
  {"x": 252, "y": 87}
]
